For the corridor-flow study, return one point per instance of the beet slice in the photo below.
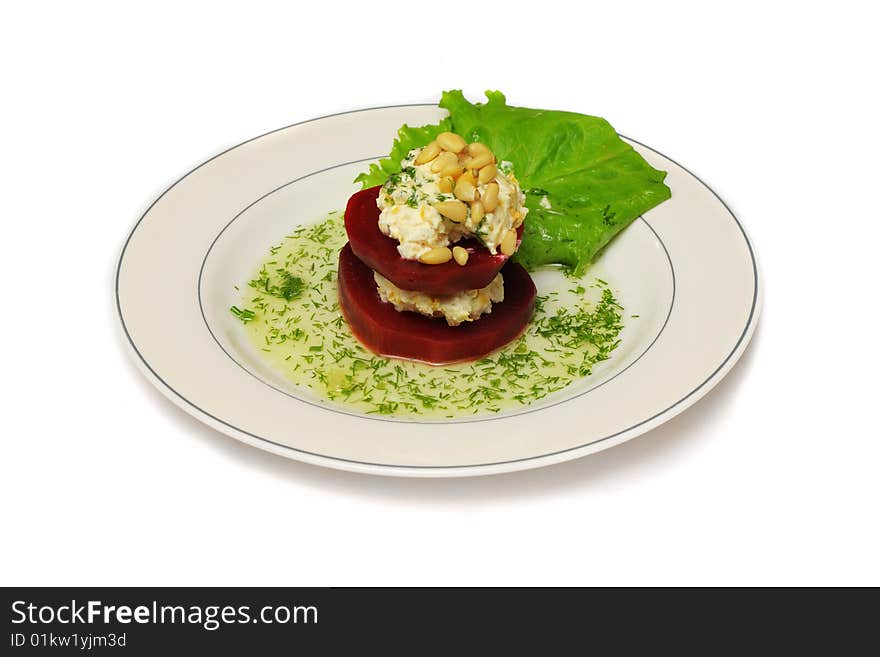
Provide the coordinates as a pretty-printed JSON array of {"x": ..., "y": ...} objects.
[
  {"x": 387, "y": 332},
  {"x": 379, "y": 252}
]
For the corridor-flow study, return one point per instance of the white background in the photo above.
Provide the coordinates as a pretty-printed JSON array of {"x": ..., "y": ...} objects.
[{"x": 771, "y": 479}]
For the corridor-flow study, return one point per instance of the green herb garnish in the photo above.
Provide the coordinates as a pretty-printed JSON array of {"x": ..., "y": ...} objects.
[
  {"x": 244, "y": 315},
  {"x": 308, "y": 340},
  {"x": 283, "y": 285}
]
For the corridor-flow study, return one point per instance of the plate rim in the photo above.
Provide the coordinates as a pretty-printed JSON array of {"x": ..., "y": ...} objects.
[{"x": 496, "y": 467}]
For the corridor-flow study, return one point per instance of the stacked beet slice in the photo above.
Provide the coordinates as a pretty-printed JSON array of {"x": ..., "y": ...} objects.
[{"x": 385, "y": 331}]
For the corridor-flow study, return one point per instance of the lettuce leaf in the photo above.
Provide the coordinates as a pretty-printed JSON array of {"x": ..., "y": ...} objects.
[{"x": 594, "y": 183}]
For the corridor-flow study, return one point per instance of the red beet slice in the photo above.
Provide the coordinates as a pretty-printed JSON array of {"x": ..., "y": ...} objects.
[
  {"x": 388, "y": 332},
  {"x": 379, "y": 252}
]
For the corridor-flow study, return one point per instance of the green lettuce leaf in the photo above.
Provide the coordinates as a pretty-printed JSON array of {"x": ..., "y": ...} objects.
[{"x": 594, "y": 183}]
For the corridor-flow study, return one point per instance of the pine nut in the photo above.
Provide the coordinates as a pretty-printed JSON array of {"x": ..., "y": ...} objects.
[
  {"x": 460, "y": 254},
  {"x": 464, "y": 189},
  {"x": 449, "y": 141},
  {"x": 451, "y": 170},
  {"x": 481, "y": 160},
  {"x": 476, "y": 148},
  {"x": 428, "y": 153},
  {"x": 445, "y": 185},
  {"x": 436, "y": 256},
  {"x": 477, "y": 213},
  {"x": 508, "y": 244},
  {"x": 487, "y": 174},
  {"x": 490, "y": 197},
  {"x": 454, "y": 210},
  {"x": 442, "y": 161}
]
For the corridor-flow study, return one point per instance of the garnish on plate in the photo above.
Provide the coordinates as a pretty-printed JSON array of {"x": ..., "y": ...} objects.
[
  {"x": 308, "y": 341},
  {"x": 583, "y": 183}
]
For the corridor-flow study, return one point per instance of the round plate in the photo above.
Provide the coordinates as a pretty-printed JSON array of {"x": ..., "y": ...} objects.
[{"x": 686, "y": 268}]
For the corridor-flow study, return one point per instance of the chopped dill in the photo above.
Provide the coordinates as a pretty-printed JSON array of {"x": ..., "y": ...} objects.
[
  {"x": 295, "y": 319},
  {"x": 244, "y": 315},
  {"x": 283, "y": 284}
]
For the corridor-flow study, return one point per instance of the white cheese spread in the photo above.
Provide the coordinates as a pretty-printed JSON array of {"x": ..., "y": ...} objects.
[
  {"x": 465, "y": 306},
  {"x": 408, "y": 215}
]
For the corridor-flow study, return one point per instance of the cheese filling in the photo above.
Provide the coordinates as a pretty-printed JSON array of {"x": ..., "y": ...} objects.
[
  {"x": 465, "y": 306},
  {"x": 408, "y": 215}
]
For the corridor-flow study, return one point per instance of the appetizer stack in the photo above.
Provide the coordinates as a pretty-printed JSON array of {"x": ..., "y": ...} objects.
[{"x": 425, "y": 274}]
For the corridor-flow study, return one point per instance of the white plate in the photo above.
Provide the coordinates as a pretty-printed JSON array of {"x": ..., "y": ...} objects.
[{"x": 686, "y": 268}]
